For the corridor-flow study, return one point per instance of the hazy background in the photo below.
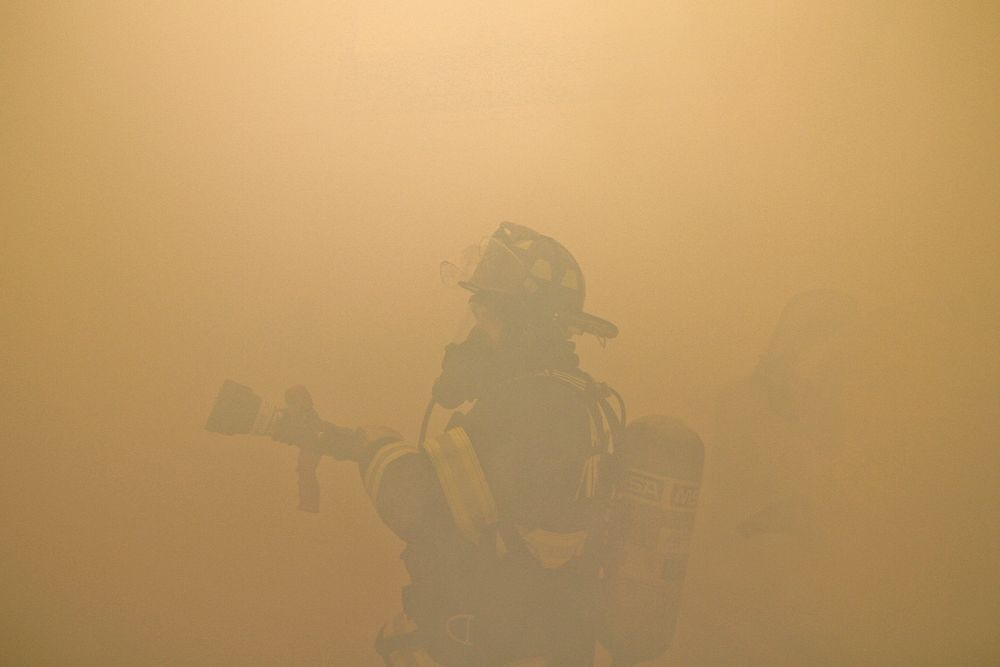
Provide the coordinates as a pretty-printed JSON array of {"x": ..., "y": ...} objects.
[{"x": 193, "y": 191}]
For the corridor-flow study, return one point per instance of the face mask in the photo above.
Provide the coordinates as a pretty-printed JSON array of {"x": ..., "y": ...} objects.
[{"x": 468, "y": 368}]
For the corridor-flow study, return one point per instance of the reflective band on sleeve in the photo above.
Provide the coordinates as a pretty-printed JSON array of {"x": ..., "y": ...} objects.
[
  {"x": 463, "y": 482},
  {"x": 383, "y": 458},
  {"x": 552, "y": 550}
]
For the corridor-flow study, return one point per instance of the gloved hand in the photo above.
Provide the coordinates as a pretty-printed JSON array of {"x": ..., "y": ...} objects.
[
  {"x": 467, "y": 367},
  {"x": 299, "y": 423}
]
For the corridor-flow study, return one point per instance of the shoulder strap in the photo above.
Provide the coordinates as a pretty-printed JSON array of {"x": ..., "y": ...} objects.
[{"x": 606, "y": 427}]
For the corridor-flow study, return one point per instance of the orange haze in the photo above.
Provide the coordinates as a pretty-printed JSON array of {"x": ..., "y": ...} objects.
[{"x": 193, "y": 191}]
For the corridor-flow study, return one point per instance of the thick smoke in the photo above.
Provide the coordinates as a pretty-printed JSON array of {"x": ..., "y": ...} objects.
[{"x": 788, "y": 209}]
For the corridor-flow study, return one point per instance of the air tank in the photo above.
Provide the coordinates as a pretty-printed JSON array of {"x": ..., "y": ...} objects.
[{"x": 650, "y": 524}]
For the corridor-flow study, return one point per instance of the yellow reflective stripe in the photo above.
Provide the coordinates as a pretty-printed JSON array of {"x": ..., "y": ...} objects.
[
  {"x": 383, "y": 459},
  {"x": 542, "y": 269},
  {"x": 552, "y": 550},
  {"x": 463, "y": 482}
]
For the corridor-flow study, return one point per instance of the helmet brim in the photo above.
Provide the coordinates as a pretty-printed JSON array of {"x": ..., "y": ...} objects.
[
  {"x": 585, "y": 323},
  {"x": 593, "y": 325}
]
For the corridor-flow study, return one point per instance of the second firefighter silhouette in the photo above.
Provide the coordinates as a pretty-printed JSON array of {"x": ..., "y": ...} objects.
[{"x": 501, "y": 512}]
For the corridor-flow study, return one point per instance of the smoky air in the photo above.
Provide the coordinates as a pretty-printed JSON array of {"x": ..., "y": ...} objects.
[{"x": 783, "y": 220}]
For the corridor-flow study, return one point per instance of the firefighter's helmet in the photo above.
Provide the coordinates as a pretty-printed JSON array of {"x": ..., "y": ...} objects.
[{"x": 539, "y": 272}]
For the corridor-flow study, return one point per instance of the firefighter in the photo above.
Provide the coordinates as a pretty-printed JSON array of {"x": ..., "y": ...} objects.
[{"x": 500, "y": 513}]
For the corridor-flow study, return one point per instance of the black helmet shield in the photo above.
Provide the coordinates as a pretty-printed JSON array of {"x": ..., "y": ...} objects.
[{"x": 521, "y": 266}]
